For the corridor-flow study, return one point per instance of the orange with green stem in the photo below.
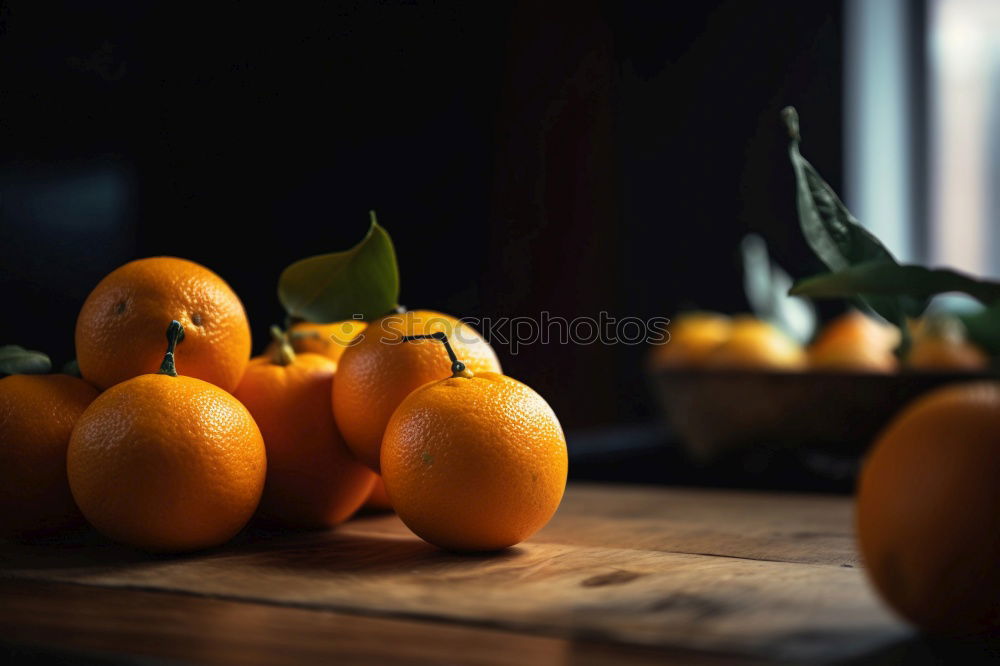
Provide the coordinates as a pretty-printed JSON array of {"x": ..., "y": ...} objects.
[
  {"x": 473, "y": 462},
  {"x": 328, "y": 340},
  {"x": 120, "y": 324},
  {"x": 165, "y": 462},
  {"x": 312, "y": 478},
  {"x": 377, "y": 371}
]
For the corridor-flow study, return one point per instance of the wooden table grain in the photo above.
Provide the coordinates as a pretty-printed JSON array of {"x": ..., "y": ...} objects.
[{"x": 622, "y": 575}]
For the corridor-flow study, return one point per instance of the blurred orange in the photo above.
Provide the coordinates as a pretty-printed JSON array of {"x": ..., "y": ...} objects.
[
  {"x": 939, "y": 343},
  {"x": 757, "y": 344},
  {"x": 855, "y": 342},
  {"x": 693, "y": 338},
  {"x": 928, "y": 510}
]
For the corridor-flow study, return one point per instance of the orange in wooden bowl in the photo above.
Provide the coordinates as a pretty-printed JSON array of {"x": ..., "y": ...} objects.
[
  {"x": 758, "y": 345},
  {"x": 855, "y": 342},
  {"x": 693, "y": 338},
  {"x": 940, "y": 343}
]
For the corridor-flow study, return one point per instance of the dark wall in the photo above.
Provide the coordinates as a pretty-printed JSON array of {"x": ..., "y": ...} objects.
[{"x": 559, "y": 157}]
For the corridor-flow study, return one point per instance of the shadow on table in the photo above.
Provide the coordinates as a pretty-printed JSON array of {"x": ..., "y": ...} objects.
[
  {"x": 923, "y": 650},
  {"x": 47, "y": 655},
  {"x": 335, "y": 550},
  {"x": 83, "y": 547},
  {"x": 651, "y": 454}
]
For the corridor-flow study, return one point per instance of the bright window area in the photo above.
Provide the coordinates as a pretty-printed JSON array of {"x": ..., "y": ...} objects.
[
  {"x": 963, "y": 48},
  {"x": 922, "y": 128}
]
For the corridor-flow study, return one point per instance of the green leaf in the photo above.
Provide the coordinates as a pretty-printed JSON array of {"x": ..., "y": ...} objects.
[
  {"x": 767, "y": 289},
  {"x": 71, "y": 368},
  {"x": 836, "y": 236},
  {"x": 16, "y": 360},
  {"x": 914, "y": 284},
  {"x": 363, "y": 280},
  {"x": 983, "y": 328}
]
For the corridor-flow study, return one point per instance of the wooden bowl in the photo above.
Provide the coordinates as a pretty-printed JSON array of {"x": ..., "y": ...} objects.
[{"x": 717, "y": 412}]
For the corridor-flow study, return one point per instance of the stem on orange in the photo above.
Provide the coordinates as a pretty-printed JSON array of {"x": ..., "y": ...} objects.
[
  {"x": 283, "y": 353},
  {"x": 175, "y": 333},
  {"x": 458, "y": 368}
]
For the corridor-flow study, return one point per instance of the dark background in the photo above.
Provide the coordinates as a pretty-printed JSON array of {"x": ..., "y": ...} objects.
[{"x": 527, "y": 157}]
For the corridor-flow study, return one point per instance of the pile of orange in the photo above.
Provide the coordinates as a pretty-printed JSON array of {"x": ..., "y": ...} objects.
[
  {"x": 174, "y": 438},
  {"x": 853, "y": 342},
  {"x": 709, "y": 340}
]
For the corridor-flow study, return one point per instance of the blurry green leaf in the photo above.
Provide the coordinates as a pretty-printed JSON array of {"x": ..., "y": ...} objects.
[
  {"x": 71, "y": 368},
  {"x": 836, "y": 236},
  {"x": 331, "y": 287},
  {"x": 983, "y": 328},
  {"x": 16, "y": 360},
  {"x": 914, "y": 284},
  {"x": 767, "y": 289}
]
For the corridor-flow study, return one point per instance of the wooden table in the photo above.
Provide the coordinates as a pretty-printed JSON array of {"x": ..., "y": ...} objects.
[{"x": 622, "y": 575}]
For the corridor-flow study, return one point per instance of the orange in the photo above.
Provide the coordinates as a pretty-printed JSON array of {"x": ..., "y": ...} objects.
[
  {"x": 754, "y": 344},
  {"x": 379, "y": 370},
  {"x": 474, "y": 462},
  {"x": 329, "y": 340},
  {"x": 312, "y": 478},
  {"x": 693, "y": 338},
  {"x": 941, "y": 354},
  {"x": 939, "y": 343},
  {"x": 37, "y": 414},
  {"x": 855, "y": 342},
  {"x": 928, "y": 510},
  {"x": 378, "y": 499},
  {"x": 119, "y": 333},
  {"x": 167, "y": 463}
]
